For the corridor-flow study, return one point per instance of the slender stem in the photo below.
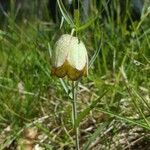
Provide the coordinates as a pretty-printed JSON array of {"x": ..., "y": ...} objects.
[{"x": 75, "y": 115}]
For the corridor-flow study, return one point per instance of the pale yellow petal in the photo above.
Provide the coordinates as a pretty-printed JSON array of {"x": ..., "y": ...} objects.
[{"x": 77, "y": 54}]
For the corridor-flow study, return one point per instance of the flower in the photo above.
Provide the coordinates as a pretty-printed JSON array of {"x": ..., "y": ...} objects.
[{"x": 70, "y": 58}]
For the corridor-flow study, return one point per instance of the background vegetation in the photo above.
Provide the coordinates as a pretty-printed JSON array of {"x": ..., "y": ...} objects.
[{"x": 113, "y": 101}]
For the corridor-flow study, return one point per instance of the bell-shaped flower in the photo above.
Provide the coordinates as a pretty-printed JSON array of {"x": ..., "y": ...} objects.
[{"x": 70, "y": 58}]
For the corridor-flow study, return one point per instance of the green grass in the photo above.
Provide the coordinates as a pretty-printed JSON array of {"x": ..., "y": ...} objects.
[{"x": 117, "y": 89}]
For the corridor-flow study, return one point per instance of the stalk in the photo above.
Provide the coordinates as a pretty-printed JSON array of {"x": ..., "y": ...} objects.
[{"x": 75, "y": 115}]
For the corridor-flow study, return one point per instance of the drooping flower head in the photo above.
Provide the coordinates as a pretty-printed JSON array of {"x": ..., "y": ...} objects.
[{"x": 70, "y": 58}]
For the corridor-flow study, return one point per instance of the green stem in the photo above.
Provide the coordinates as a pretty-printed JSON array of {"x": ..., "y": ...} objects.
[{"x": 75, "y": 115}]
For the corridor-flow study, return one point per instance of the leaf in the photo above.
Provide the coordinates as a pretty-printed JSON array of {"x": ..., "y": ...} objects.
[
  {"x": 87, "y": 110},
  {"x": 87, "y": 24},
  {"x": 94, "y": 135},
  {"x": 65, "y": 13},
  {"x": 95, "y": 55},
  {"x": 110, "y": 113}
]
